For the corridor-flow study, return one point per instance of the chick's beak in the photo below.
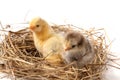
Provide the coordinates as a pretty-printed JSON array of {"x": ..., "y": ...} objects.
[
  {"x": 67, "y": 48},
  {"x": 31, "y": 27}
]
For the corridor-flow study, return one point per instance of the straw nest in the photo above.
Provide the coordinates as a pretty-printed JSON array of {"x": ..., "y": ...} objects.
[{"x": 22, "y": 61}]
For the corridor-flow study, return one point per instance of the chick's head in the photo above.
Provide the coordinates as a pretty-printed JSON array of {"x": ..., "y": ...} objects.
[
  {"x": 38, "y": 25},
  {"x": 74, "y": 40}
]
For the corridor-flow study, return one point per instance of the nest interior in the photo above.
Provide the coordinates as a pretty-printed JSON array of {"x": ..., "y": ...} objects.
[{"x": 23, "y": 61}]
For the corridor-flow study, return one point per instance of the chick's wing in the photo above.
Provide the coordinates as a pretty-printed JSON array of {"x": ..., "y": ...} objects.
[{"x": 54, "y": 45}]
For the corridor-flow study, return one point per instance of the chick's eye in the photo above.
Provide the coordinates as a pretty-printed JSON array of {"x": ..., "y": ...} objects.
[
  {"x": 37, "y": 25},
  {"x": 73, "y": 46}
]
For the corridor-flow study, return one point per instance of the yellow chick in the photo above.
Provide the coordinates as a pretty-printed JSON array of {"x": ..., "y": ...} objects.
[
  {"x": 78, "y": 49},
  {"x": 46, "y": 40}
]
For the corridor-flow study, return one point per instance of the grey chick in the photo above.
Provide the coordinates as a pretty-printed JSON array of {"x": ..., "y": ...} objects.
[{"x": 78, "y": 49}]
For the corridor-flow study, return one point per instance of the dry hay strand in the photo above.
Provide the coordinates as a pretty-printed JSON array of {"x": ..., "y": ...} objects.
[{"x": 22, "y": 60}]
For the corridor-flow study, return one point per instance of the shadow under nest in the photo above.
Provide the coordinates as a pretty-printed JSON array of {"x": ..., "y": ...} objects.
[{"x": 22, "y": 60}]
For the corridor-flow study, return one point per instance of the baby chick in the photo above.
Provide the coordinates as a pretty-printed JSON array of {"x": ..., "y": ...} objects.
[
  {"x": 77, "y": 49},
  {"x": 46, "y": 40}
]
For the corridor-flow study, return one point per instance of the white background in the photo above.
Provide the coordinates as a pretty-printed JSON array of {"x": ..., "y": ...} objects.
[{"x": 82, "y": 13}]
